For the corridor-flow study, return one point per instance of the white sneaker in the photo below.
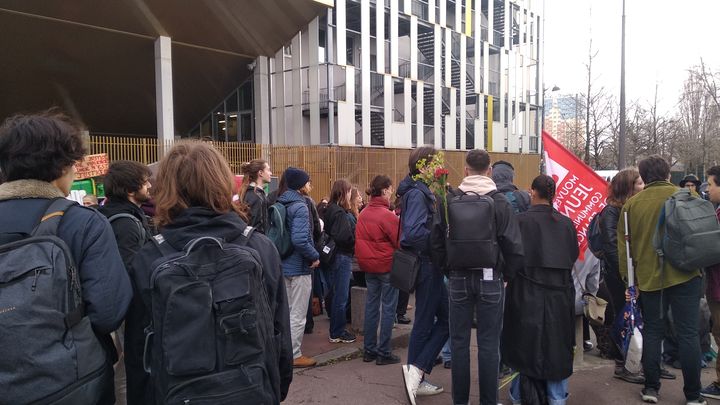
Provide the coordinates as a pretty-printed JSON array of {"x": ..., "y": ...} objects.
[
  {"x": 427, "y": 388},
  {"x": 412, "y": 376}
]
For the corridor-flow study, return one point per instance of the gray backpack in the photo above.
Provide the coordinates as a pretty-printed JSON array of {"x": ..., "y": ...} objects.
[
  {"x": 687, "y": 233},
  {"x": 49, "y": 352}
]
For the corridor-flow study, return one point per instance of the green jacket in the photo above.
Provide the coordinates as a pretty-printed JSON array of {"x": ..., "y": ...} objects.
[{"x": 643, "y": 211}]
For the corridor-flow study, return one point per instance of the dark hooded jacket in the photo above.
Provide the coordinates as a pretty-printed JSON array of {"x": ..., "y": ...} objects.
[
  {"x": 503, "y": 176},
  {"x": 416, "y": 217},
  {"x": 256, "y": 199},
  {"x": 538, "y": 328},
  {"x": 339, "y": 226},
  {"x": 129, "y": 236},
  {"x": 130, "y": 239},
  {"x": 193, "y": 223}
]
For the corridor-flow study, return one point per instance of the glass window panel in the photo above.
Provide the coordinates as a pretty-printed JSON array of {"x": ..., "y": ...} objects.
[{"x": 246, "y": 127}]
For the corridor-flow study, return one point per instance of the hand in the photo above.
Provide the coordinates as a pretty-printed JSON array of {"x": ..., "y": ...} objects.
[
  {"x": 627, "y": 295},
  {"x": 315, "y": 264}
]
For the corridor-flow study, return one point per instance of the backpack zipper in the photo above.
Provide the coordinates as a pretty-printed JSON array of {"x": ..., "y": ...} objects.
[{"x": 34, "y": 284}]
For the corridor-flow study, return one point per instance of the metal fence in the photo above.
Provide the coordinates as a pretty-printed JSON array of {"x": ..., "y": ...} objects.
[{"x": 325, "y": 164}]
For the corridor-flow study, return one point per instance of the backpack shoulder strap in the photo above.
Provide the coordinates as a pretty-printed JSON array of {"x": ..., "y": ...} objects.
[
  {"x": 50, "y": 220},
  {"x": 246, "y": 235},
  {"x": 162, "y": 245},
  {"x": 134, "y": 218},
  {"x": 659, "y": 232},
  {"x": 48, "y": 225}
]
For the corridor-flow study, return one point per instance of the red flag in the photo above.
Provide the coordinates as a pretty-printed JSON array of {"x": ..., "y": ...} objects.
[{"x": 580, "y": 191}]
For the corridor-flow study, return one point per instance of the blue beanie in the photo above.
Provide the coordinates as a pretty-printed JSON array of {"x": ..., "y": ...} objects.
[{"x": 296, "y": 178}]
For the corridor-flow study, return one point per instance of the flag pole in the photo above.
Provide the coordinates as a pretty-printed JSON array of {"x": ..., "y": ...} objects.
[{"x": 622, "y": 138}]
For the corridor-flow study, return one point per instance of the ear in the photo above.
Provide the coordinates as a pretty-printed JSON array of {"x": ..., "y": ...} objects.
[{"x": 465, "y": 171}]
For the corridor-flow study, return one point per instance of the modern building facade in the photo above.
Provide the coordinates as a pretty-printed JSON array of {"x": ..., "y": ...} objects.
[
  {"x": 458, "y": 74},
  {"x": 563, "y": 120}
]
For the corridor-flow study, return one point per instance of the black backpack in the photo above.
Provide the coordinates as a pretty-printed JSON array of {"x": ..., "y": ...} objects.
[
  {"x": 48, "y": 351},
  {"x": 211, "y": 338},
  {"x": 471, "y": 241},
  {"x": 595, "y": 236}
]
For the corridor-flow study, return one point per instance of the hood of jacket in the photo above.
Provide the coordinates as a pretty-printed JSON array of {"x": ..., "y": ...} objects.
[
  {"x": 503, "y": 174},
  {"x": 291, "y": 196},
  {"x": 408, "y": 184},
  {"x": 478, "y": 184},
  {"x": 200, "y": 221},
  {"x": 122, "y": 207}
]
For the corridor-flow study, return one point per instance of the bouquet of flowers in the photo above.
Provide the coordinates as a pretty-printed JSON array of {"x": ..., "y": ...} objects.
[{"x": 433, "y": 173}]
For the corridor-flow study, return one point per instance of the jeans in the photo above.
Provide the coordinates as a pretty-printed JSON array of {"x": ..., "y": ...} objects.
[
  {"x": 715, "y": 316},
  {"x": 556, "y": 391},
  {"x": 470, "y": 293},
  {"x": 430, "y": 330},
  {"x": 403, "y": 299},
  {"x": 446, "y": 352},
  {"x": 339, "y": 279},
  {"x": 684, "y": 301},
  {"x": 379, "y": 308},
  {"x": 298, "y": 292}
]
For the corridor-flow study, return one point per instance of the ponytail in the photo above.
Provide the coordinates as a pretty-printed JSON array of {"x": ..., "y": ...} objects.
[{"x": 249, "y": 171}]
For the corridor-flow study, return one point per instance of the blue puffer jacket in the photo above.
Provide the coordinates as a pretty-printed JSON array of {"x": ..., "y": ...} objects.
[{"x": 298, "y": 220}]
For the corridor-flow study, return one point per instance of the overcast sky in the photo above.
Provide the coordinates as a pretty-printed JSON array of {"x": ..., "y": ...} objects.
[{"x": 663, "y": 39}]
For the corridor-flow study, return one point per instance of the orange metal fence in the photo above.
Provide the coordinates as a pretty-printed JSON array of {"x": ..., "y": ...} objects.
[{"x": 325, "y": 164}]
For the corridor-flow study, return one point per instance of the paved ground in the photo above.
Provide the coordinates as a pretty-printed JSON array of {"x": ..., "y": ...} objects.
[
  {"x": 356, "y": 382},
  {"x": 346, "y": 379},
  {"x": 343, "y": 378}
]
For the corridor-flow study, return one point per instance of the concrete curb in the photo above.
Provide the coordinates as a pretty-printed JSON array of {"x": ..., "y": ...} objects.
[{"x": 400, "y": 339}]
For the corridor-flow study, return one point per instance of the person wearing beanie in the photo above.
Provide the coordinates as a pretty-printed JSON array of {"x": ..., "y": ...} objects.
[
  {"x": 298, "y": 266},
  {"x": 503, "y": 174},
  {"x": 690, "y": 182},
  {"x": 296, "y": 178}
]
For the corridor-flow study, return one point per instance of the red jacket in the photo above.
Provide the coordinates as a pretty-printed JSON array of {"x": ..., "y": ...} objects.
[
  {"x": 376, "y": 237},
  {"x": 713, "y": 278}
]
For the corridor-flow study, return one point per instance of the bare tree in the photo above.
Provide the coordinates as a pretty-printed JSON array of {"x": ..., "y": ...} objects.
[{"x": 698, "y": 115}]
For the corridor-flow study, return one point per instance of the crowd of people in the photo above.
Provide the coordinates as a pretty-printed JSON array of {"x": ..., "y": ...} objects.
[{"x": 211, "y": 294}]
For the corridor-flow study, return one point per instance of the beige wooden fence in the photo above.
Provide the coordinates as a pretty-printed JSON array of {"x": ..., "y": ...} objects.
[{"x": 325, "y": 164}]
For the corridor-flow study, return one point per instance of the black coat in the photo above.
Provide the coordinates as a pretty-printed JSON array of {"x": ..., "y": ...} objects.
[
  {"x": 256, "y": 199},
  {"x": 539, "y": 324},
  {"x": 192, "y": 223},
  {"x": 130, "y": 238},
  {"x": 342, "y": 230},
  {"x": 314, "y": 219},
  {"x": 608, "y": 226}
]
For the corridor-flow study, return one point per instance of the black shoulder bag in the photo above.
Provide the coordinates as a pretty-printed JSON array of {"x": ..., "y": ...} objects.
[{"x": 405, "y": 268}]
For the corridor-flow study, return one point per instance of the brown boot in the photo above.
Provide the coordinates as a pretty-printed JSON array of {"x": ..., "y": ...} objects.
[{"x": 304, "y": 361}]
